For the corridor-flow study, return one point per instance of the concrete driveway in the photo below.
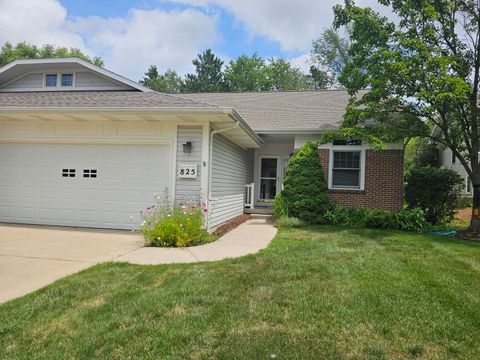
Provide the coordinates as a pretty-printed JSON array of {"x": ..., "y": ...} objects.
[{"x": 34, "y": 256}]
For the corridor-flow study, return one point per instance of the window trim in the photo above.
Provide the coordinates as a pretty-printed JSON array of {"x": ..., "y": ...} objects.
[
  {"x": 346, "y": 148},
  {"x": 73, "y": 80},
  {"x": 45, "y": 76}
]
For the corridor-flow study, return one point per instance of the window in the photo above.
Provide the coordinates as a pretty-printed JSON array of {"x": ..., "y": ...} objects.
[
  {"x": 89, "y": 173},
  {"x": 51, "y": 80},
  {"x": 347, "y": 142},
  {"x": 454, "y": 158},
  {"x": 67, "y": 79},
  {"x": 68, "y": 172},
  {"x": 468, "y": 185},
  {"x": 346, "y": 170}
]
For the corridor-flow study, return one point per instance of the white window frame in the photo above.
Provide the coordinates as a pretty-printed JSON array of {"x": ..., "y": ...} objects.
[
  {"x": 347, "y": 148},
  {"x": 73, "y": 79},
  {"x": 59, "y": 80},
  {"x": 467, "y": 181}
]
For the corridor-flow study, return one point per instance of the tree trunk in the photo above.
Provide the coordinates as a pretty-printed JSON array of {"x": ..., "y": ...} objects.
[{"x": 475, "y": 220}]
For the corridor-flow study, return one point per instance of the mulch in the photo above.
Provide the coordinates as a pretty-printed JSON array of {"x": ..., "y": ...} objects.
[{"x": 230, "y": 225}]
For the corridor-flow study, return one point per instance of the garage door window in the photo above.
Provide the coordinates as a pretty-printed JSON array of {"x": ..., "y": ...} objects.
[
  {"x": 89, "y": 173},
  {"x": 68, "y": 172}
]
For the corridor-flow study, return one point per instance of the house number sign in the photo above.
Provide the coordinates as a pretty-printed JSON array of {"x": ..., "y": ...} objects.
[{"x": 188, "y": 171}]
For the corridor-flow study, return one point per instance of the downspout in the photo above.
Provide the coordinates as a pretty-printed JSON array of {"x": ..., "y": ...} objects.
[{"x": 210, "y": 157}]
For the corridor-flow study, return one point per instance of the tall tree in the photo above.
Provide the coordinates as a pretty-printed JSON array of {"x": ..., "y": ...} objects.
[
  {"x": 282, "y": 76},
  {"x": 329, "y": 56},
  {"x": 208, "y": 75},
  {"x": 169, "y": 82},
  {"x": 246, "y": 73},
  {"x": 22, "y": 50},
  {"x": 426, "y": 68}
]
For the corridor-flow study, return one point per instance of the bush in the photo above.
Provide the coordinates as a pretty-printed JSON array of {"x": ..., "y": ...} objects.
[
  {"x": 173, "y": 225},
  {"x": 382, "y": 219},
  {"x": 463, "y": 202},
  {"x": 434, "y": 191},
  {"x": 410, "y": 220},
  {"x": 346, "y": 216},
  {"x": 305, "y": 188},
  {"x": 280, "y": 206},
  {"x": 406, "y": 219},
  {"x": 288, "y": 221}
]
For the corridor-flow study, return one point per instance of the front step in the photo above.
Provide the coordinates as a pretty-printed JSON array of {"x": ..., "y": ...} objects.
[{"x": 259, "y": 211}]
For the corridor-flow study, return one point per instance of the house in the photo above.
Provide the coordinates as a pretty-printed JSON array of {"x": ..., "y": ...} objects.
[
  {"x": 446, "y": 158},
  {"x": 83, "y": 146}
]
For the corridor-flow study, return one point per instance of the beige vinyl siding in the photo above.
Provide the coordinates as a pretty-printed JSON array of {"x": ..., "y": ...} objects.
[
  {"x": 189, "y": 190},
  {"x": 87, "y": 79},
  {"x": 232, "y": 168},
  {"x": 30, "y": 81}
]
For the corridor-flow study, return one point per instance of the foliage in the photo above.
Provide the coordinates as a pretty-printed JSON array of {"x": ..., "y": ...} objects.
[
  {"x": 169, "y": 82},
  {"x": 168, "y": 224},
  {"x": 463, "y": 202},
  {"x": 434, "y": 191},
  {"x": 288, "y": 222},
  {"x": 305, "y": 188},
  {"x": 282, "y": 76},
  {"x": 420, "y": 152},
  {"x": 246, "y": 73},
  {"x": 328, "y": 58},
  {"x": 406, "y": 219},
  {"x": 346, "y": 216},
  {"x": 422, "y": 68},
  {"x": 23, "y": 50},
  {"x": 208, "y": 75},
  {"x": 280, "y": 206}
]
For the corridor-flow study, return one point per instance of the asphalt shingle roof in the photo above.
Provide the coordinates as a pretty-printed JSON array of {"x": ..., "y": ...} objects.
[
  {"x": 314, "y": 110},
  {"x": 93, "y": 99}
]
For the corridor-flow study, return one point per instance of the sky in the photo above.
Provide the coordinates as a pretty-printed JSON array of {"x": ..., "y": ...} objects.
[{"x": 130, "y": 35}]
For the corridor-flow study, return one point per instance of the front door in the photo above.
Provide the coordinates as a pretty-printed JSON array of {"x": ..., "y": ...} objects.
[{"x": 269, "y": 178}]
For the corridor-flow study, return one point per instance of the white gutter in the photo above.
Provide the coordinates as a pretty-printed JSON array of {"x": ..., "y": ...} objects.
[{"x": 210, "y": 156}]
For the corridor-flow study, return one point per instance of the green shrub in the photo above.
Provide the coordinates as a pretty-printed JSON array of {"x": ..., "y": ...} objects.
[
  {"x": 382, "y": 219},
  {"x": 346, "y": 216},
  {"x": 406, "y": 219},
  {"x": 280, "y": 206},
  {"x": 173, "y": 225},
  {"x": 463, "y": 202},
  {"x": 305, "y": 188},
  {"x": 288, "y": 221},
  {"x": 434, "y": 191},
  {"x": 410, "y": 220}
]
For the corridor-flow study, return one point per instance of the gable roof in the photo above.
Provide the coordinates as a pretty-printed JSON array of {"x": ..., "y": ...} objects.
[
  {"x": 290, "y": 111},
  {"x": 17, "y": 68}
]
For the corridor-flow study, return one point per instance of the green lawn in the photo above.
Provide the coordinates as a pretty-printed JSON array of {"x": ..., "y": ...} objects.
[{"x": 312, "y": 294}]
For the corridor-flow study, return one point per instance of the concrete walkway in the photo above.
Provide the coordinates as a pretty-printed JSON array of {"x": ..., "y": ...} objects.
[{"x": 248, "y": 238}]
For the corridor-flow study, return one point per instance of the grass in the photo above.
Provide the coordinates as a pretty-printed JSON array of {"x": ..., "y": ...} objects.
[{"x": 317, "y": 292}]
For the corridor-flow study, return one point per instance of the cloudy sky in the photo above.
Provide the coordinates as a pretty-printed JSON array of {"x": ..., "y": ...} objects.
[{"x": 132, "y": 34}]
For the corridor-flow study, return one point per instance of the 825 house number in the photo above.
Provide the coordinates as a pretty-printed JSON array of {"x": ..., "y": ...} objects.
[{"x": 187, "y": 171}]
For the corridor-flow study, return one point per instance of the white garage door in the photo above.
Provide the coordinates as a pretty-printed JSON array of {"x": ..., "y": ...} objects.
[{"x": 81, "y": 185}]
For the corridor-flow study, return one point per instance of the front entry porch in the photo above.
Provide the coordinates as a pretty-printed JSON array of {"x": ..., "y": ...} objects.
[{"x": 269, "y": 167}]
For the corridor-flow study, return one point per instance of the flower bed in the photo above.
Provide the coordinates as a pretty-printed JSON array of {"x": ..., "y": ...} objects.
[{"x": 175, "y": 225}]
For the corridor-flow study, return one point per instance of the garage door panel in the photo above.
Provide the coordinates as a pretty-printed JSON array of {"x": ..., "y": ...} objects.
[{"x": 33, "y": 190}]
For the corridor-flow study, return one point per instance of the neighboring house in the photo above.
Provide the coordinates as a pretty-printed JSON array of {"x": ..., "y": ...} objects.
[
  {"x": 82, "y": 146},
  {"x": 446, "y": 158}
]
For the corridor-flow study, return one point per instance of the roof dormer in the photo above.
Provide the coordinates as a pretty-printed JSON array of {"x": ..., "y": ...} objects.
[{"x": 62, "y": 74}]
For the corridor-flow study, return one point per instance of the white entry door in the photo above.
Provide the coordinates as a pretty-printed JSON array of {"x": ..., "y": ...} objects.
[
  {"x": 104, "y": 186},
  {"x": 269, "y": 177}
]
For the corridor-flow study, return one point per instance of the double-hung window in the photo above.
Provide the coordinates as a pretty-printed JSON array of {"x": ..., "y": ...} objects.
[{"x": 346, "y": 169}]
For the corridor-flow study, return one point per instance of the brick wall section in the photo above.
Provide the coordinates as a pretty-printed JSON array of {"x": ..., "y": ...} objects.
[{"x": 383, "y": 182}]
